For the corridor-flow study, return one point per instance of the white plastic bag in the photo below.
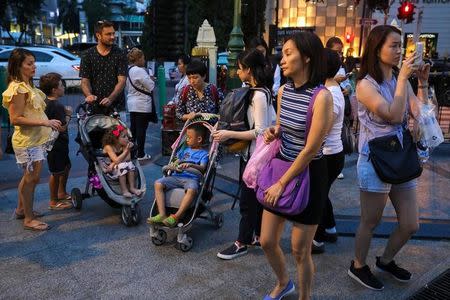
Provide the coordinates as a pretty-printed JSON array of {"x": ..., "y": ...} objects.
[{"x": 430, "y": 132}]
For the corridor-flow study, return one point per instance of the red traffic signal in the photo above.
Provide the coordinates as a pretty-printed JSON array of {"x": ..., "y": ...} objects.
[
  {"x": 349, "y": 37},
  {"x": 406, "y": 12}
]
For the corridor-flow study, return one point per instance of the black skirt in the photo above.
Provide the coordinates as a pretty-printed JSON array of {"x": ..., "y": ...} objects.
[{"x": 317, "y": 195}]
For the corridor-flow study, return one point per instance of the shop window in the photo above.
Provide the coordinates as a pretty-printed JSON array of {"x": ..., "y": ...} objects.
[
  {"x": 293, "y": 12},
  {"x": 310, "y": 21},
  {"x": 340, "y": 22},
  {"x": 294, "y": 3},
  {"x": 331, "y": 11},
  {"x": 301, "y": 12},
  {"x": 331, "y": 21},
  {"x": 341, "y": 11},
  {"x": 330, "y": 31},
  {"x": 321, "y": 11},
  {"x": 350, "y": 22},
  {"x": 311, "y": 11},
  {"x": 320, "y": 21},
  {"x": 331, "y": 2},
  {"x": 301, "y": 21},
  {"x": 320, "y": 31},
  {"x": 340, "y": 31},
  {"x": 286, "y": 3}
]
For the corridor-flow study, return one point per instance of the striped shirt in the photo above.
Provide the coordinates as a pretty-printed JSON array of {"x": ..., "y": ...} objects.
[{"x": 294, "y": 107}]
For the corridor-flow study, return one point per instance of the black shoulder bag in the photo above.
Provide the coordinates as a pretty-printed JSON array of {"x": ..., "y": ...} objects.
[
  {"x": 153, "y": 116},
  {"x": 392, "y": 162}
]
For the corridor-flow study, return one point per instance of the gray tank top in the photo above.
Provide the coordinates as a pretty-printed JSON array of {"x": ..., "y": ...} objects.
[{"x": 372, "y": 126}]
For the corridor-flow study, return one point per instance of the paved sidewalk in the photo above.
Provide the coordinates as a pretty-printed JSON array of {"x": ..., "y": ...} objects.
[{"x": 90, "y": 254}]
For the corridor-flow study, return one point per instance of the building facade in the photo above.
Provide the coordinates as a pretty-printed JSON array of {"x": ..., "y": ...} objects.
[{"x": 327, "y": 18}]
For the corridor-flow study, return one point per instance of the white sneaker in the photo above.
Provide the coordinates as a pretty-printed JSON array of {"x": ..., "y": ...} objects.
[
  {"x": 340, "y": 176},
  {"x": 145, "y": 157}
]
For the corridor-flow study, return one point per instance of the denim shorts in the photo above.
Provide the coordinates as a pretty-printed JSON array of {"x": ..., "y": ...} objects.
[
  {"x": 370, "y": 182},
  {"x": 25, "y": 157},
  {"x": 173, "y": 182}
]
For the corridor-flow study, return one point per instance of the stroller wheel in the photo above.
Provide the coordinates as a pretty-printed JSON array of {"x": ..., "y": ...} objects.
[
  {"x": 218, "y": 220},
  {"x": 136, "y": 214},
  {"x": 187, "y": 245},
  {"x": 127, "y": 217},
  {"x": 77, "y": 198},
  {"x": 160, "y": 238}
]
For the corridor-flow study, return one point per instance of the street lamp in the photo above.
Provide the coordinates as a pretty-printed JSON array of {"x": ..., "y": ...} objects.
[{"x": 235, "y": 46}]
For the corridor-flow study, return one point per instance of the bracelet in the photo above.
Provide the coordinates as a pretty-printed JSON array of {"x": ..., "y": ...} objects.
[{"x": 425, "y": 86}]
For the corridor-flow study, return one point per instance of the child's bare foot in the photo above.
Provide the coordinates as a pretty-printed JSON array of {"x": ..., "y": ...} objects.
[
  {"x": 137, "y": 192},
  {"x": 127, "y": 194}
]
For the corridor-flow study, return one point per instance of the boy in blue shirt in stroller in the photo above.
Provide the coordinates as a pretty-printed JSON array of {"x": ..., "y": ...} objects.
[{"x": 189, "y": 159}]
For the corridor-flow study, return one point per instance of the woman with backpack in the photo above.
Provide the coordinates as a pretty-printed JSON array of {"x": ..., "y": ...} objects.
[
  {"x": 198, "y": 96},
  {"x": 260, "y": 114},
  {"x": 303, "y": 62}
]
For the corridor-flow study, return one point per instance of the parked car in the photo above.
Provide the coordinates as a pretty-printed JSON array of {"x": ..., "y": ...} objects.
[
  {"x": 50, "y": 59},
  {"x": 79, "y": 48}
]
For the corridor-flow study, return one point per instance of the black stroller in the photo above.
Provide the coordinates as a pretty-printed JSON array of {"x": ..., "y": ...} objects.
[{"x": 90, "y": 132}]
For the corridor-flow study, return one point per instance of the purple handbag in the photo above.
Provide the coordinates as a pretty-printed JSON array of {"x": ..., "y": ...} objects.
[{"x": 295, "y": 196}]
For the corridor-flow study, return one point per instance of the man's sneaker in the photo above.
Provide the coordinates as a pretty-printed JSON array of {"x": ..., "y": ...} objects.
[
  {"x": 255, "y": 242},
  {"x": 399, "y": 273},
  {"x": 232, "y": 252},
  {"x": 145, "y": 157},
  {"x": 365, "y": 277},
  {"x": 317, "y": 247}
]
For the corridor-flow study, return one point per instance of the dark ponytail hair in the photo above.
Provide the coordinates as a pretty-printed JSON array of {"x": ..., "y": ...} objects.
[{"x": 255, "y": 60}]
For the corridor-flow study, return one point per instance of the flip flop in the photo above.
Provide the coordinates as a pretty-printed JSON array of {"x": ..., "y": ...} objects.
[
  {"x": 22, "y": 216},
  {"x": 41, "y": 226},
  {"x": 67, "y": 197},
  {"x": 60, "y": 206}
]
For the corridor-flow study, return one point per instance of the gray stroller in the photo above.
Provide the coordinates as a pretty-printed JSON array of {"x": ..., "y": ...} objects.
[
  {"x": 200, "y": 207},
  {"x": 90, "y": 132}
]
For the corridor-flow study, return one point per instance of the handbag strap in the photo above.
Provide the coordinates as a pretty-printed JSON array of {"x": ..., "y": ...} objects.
[
  {"x": 135, "y": 87},
  {"x": 309, "y": 113}
]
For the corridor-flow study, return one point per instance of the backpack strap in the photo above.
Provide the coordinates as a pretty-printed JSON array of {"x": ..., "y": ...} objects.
[
  {"x": 135, "y": 87},
  {"x": 184, "y": 93},
  {"x": 214, "y": 93}
]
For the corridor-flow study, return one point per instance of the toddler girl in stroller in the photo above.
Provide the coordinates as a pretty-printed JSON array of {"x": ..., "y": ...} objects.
[{"x": 118, "y": 165}]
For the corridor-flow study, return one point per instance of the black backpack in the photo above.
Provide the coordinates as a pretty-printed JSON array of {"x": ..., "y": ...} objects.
[{"x": 233, "y": 110}]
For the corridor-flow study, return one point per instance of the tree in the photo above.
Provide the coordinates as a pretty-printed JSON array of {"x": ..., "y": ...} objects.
[
  {"x": 96, "y": 10},
  {"x": 25, "y": 13},
  {"x": 69, "y": 16},
  {"x": 253, "y": 18}
]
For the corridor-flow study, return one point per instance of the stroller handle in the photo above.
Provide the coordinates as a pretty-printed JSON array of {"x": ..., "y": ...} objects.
[{"x": 81, "y": 106}]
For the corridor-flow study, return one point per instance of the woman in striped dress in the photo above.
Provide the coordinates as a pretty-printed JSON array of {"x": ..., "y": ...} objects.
[{"x": 303, "y": 62}]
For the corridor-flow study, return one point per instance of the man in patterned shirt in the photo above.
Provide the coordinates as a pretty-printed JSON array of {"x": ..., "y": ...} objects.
[{"x": 103, "y": 71}]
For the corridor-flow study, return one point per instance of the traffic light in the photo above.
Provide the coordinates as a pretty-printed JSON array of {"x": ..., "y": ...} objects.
[
  {"x": 349, "y": 37},
  {"x": 406, "y": 12}
]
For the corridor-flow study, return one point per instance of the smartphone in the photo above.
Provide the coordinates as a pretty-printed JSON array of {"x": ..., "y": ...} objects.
[{"x": 419, "y": 53}]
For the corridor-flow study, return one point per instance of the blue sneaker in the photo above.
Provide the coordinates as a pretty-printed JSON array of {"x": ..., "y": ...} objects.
[{"x": 289, "y": 289}]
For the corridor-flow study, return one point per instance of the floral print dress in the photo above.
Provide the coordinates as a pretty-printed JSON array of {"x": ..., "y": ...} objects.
[{"x": 190, "y": 102}]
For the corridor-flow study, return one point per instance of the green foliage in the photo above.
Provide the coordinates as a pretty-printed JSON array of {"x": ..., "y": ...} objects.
[
  {"x": 96, "y": 10},
  {"x": 219, "y": 14},
  {"x": 24, "y": 11},
  {"x": 69, "y": 16},
  {"x": 252, "y": 18}
]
